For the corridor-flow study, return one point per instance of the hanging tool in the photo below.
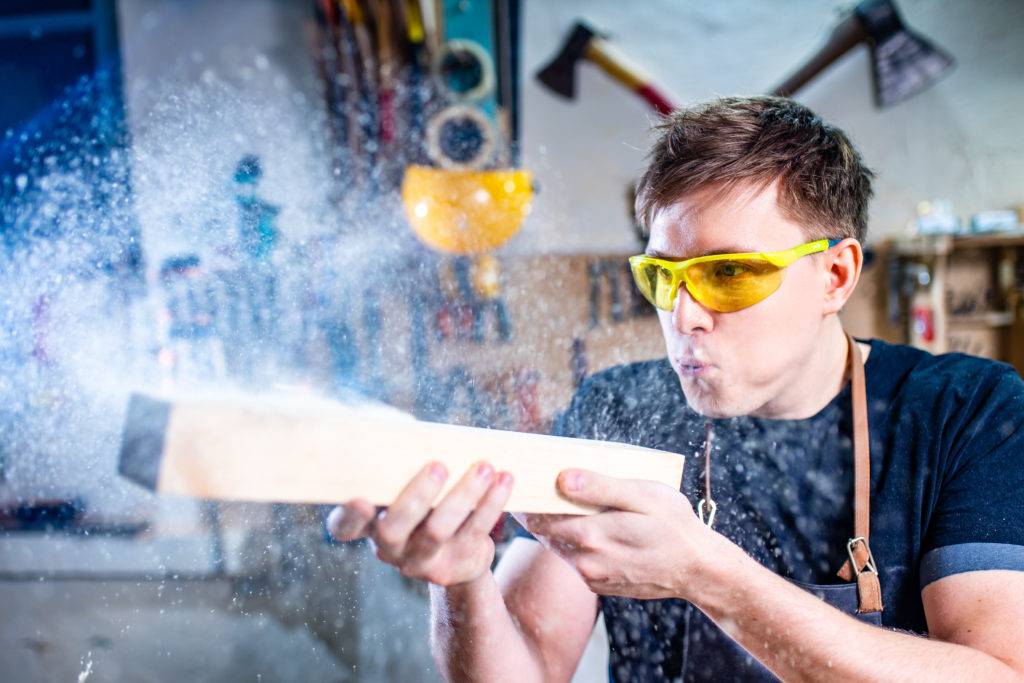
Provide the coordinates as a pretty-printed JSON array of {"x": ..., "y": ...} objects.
[
  {"x": 462, "y": 203},
  {"x": 431, "y": 20},
  {"x": 594, "y": 275},
  {"x": 903, "y": 63},
  {"x": 485, "y": 279},
  {"x": 611, "y": 271},
  {"x": 364, "y": 69},
  {"x": 418, "y": 84},
  {"x": 338, "y": 90},
  {"x": 465, "y": 133},
  {"x": 578, "y": 361},
  {"x": 585, "y": 43},
  {"x": 506, "y": 52}
]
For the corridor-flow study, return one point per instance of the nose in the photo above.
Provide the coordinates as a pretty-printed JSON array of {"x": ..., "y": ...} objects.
[{"x": 690, "y": 315}]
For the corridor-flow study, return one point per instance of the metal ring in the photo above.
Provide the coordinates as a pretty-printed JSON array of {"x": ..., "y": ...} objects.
[
  {"x": 712, "y": 507},
  {"x": 484, "y": 86},
  {"x": 456, "y": 115},
  {"x": 870, "y": 565}
]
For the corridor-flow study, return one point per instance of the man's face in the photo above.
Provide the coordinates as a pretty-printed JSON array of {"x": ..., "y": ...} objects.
[{"x": 754, "y": 361}]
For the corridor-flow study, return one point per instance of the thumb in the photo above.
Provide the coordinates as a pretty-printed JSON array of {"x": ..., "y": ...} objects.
[
  {"x": 350, "y": 521},
  {"x": 593, "y": 488}
]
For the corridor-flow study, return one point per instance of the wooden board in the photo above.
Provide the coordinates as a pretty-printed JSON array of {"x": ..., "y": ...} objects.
[{"x": 282, "y": 450}]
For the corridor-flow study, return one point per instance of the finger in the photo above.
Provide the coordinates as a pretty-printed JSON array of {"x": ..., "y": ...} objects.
[
  {"x": 543, "y": 524},
  {"x": 561, "y": 534},
  {"x": 592, "y": 488},
  {"x": 562, "y": 537},
  {"x": 468, "y": 548},
  {"x": 463, "y": 499},
  {"x": 488, "y": 512},
  {"x": 350, "y": 521},
  {"x": 396, "y": 523}
]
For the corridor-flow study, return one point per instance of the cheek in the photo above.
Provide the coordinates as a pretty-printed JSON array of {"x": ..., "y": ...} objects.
[
  {"x": 777, "y": 331},
  {"x": 803, "y": 290},
  {"x": 665, "y": 320},
  {"x": 763, "y": 338},
  {"x": 673, "y": 338},
  {"x": 752, "y": 339}
]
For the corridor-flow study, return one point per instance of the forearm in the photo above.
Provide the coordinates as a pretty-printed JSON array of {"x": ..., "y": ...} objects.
[
  {"x": 476, "y": 638},
  {"x": 800, "y": 637}
]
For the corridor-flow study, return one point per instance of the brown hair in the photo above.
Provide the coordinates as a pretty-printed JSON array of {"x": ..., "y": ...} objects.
[{"x": 823, "y": 182}]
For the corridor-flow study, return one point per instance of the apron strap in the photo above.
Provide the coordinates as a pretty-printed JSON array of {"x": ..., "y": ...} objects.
[{"x": 860, "y": 565}]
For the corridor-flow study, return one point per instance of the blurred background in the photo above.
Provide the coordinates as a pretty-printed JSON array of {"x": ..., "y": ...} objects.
[{"x": 379, "y": 200}]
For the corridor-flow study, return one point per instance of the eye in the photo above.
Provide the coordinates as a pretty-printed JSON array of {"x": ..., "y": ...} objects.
[{"x": 728, "y": 269}]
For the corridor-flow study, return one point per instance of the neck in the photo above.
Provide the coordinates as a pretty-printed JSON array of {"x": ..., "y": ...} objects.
[{"x": 821, "y": 378}]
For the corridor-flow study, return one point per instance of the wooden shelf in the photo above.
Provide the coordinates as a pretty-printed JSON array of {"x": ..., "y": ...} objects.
[
  {"x": 986, "y": 267},
  {"x": 987, "y": 241},
  {"x": 941, "y": 244},
  {"x": 923, "y": 246},
  {"x": 990, "y": 319}
]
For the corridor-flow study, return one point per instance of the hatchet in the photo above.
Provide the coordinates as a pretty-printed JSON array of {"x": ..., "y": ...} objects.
[
  {"x": 584, "y": 43},
  {"x": 903, "y": 63}
]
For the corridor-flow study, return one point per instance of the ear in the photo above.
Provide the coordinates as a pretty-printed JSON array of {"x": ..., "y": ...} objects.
[{"x": 845, "y": 261}]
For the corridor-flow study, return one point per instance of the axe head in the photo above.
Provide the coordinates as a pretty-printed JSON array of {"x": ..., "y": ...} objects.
[
  {"x": 903, "y": 62},
  {"x": 560, "y": 73}
]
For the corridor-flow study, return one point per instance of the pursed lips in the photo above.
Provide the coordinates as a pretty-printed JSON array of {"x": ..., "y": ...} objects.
[{"x": 688, "y": 366}]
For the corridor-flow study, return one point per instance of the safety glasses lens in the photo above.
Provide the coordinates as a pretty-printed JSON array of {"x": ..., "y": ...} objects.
[
  {"x": 655, "y": 283},
  {"x": 731, "y": 285},
  {"x": 724, "y": 285}
]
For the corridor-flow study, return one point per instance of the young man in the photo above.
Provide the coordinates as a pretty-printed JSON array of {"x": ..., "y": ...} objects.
[{"x": 756, "y": 391}]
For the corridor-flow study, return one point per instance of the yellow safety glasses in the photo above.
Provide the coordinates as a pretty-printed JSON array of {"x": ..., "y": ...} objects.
[{"x": 722, "y": 282}]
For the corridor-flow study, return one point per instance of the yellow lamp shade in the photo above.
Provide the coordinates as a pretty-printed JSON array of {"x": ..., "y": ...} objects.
[{"x": 465, "y": 212}]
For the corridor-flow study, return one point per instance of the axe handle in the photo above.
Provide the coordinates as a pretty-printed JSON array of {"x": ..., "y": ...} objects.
[
  {"x": 844, "y": 37},
  {"x": 656, "y": 99},
  {"x": 618, "y": 66}
]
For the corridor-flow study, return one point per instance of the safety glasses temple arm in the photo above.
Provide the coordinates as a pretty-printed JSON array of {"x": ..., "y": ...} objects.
[
  {"x": 644, "y": 259},
  {"x": 784, "y": 258}
]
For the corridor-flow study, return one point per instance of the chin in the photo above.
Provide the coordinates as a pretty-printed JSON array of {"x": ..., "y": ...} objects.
[
  {"x": 715, "y": 412},
  {"x": 709, "y": 403}
]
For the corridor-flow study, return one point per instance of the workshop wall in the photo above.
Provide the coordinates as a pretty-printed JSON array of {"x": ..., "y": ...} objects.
[
  {"x": 247, "y": 85},
  {"x": 959, "y": 139},
  {"x": 205, "y": 85}
]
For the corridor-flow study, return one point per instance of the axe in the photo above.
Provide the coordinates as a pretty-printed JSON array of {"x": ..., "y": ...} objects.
[
  {"x": 560, "y": 73},
  {"x": 903, "y": 63}
]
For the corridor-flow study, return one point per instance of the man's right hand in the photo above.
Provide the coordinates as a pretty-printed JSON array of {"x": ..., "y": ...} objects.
[{"x": 448, "y": 544}]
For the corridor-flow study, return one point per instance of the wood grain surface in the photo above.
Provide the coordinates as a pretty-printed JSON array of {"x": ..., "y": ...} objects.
[{"x": 281, "y": 451}]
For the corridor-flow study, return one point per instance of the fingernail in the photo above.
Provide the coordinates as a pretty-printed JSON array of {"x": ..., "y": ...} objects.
[
  {"x": 484, "y": 470},
  {"x": 334, "y": 519},
  {"x": 572, "y": 481},
  {"x": 505, "y": 480},
  {"x": 438, "y": 471}
]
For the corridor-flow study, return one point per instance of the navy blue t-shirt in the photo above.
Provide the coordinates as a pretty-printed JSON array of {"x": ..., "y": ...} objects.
[{"x": 947, "y": 493}]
